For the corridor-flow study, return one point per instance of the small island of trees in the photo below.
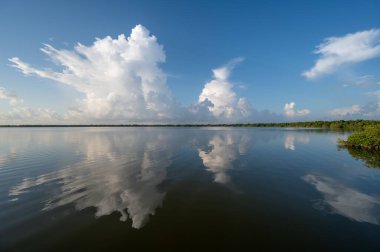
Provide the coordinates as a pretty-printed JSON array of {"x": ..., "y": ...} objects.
[{"x": 367, "y": 139}]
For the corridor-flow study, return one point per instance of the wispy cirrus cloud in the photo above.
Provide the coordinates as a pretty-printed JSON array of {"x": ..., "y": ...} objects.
[
  {"x": 346, "y": 111},
  {"x": 335, "y": 52},
  {"x": 375, "y": 93},
  {"x": 363, "y": 81}
]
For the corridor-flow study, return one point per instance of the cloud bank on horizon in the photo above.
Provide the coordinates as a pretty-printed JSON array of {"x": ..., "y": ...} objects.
[
  {"x": 12, "y": 98},
  {"x": 121, "y": 81}
]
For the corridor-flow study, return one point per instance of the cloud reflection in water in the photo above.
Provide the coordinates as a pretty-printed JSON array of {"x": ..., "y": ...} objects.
[
  {"x": 223, "y": 151},
  {"x": 346, "y": 201},
  {"x": 118, "y": 172},
  {"x": 291, "y": 139}
]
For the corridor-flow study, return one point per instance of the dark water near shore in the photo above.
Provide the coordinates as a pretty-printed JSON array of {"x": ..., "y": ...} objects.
[{"x": 99, "y": 189}]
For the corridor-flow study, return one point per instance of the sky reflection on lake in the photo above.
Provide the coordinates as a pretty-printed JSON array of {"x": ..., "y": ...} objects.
[
  {"x": 346, "y": 201},
  {"x": 116, "y": 173},
  {"x": 138, "y": 175},
  {"x": 220, "y": 153}
]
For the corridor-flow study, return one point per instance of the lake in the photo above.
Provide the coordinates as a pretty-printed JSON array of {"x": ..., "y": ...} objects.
[{"x": 178, "y": 188}]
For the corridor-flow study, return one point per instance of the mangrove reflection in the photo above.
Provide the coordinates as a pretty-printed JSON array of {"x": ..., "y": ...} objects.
[{"x": 370, "y": 158}]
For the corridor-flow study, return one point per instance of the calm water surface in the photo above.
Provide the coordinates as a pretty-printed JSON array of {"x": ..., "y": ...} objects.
[{"x": 83, "y": 189}]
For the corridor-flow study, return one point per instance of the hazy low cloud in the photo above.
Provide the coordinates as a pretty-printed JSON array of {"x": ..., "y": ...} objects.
[
  {"x": 12, "y": 98},
  {"x": 372, "y": 110},
  {"x": 24, "y": 115},
  {"x": 351, "y": 48},
  {"x": 290, "y": 110},
  {"x": 375, "y": 93},
  {"x": 368, "y": 111},
  {"x": 19, "y": 114},
  {"x": 345, "y": 111}
]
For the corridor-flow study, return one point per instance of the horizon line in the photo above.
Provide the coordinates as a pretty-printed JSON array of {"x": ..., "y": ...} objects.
[{"x": 181, "y": 124}]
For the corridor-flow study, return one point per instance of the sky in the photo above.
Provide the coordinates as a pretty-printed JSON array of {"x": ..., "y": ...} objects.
[{"x": 75, "y": 62}]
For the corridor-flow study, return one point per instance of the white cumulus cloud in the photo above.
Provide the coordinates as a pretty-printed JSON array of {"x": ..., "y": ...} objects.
[
  {"x": 224, "y": 103},
  {"x": 290, "y": 111},
  {"x": 121, "y": 81},
  {"x": 119, "y": 78},
  {"x": 351, "y": 48}
]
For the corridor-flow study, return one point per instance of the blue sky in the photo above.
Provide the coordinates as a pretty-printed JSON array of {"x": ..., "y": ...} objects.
[{"x": 264, "y": 47}]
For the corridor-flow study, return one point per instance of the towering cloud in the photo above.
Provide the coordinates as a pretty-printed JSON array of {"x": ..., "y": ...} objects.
[
  {"x": 351, "y": 48},
  {"x": 121, "y": 81},
  {"x": 119, "y": 78},
  {"x": 219, "y": 92},
  {"x": 290, "y": 111}
]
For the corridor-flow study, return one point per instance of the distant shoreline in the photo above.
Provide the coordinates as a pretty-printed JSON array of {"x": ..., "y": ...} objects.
[{"x": 341, "y": 124}]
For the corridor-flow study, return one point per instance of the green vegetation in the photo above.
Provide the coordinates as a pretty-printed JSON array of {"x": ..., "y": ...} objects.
[
  {"x": 366, "y": 139},
  {"x": 364, "y": 145},
  {"x": 336, "y": 125}
]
